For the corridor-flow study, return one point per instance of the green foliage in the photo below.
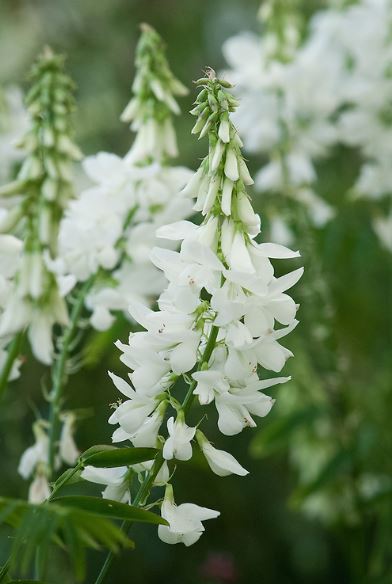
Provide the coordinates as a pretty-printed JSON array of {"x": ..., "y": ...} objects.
[
  {"x": 109, "y": 508},
  {"x": 74, "y": 528}
]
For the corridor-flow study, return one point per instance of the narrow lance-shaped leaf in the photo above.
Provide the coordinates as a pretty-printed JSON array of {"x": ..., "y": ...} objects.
[
  {"x": 49, "y": 523},
  {"x": 109, "y": 508},
  {"x": 103, "y": 456}
]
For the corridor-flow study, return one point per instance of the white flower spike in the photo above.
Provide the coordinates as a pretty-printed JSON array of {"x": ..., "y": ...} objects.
[{"x": 218, "y": 324}]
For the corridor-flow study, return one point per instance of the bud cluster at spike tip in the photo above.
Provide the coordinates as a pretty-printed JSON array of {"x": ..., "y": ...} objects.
[{"x": 219, "y": 325}]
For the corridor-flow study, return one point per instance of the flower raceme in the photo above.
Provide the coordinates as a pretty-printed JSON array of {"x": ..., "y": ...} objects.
[
  {"x": 220, "y": 320},
  {"x": 39, "y": 195},
  {"x": 108, "y": 232}
]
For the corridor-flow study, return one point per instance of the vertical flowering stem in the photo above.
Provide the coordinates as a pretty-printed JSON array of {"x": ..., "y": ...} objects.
[
  {"x": 148, "y": 482},
  {"x": 59, "y": 373},
  {"x": 186, "y": 404}
]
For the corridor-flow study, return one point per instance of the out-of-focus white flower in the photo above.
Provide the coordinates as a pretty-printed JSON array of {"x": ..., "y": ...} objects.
[
  {"x": 67, "y": 447},
  {"x": 36, "y": 454},
  {"x": 383, "y": 228},
  {"x": 279, "y": 111},
  {"x": 39, "y": 489},
  {"x": 38, "y": 196}
]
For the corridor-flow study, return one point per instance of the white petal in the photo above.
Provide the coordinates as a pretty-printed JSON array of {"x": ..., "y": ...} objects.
[
  {"x": 277, "y": 251},
  {"x": 122, "y": 385}
]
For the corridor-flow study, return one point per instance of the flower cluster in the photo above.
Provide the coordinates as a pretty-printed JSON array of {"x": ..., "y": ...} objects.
[
  {"x": 298, "y": 100},
  {"x": 281, "y": 116},
  {"x": 219, "y": 323},
  {"x": 34, "y": 462},
  {"x": 39, "y": 195},
  {"x": 111, "y": 227}
]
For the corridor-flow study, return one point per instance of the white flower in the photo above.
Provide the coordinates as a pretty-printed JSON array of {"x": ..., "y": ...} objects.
[
  {"x": 236, "y": 406},
  {"x": 115, "y": 479},
  {"x": 221, "y": 463},
  {"x": 39, "y": 489},
  {"x": 383, "y": 228},
  {"x": 132, "y": 413},
  {"x": 146, "y": 435},
  {"x": 36, "y": 454},
  {"x": 67, "y": 447},
  {"x": 178, "y": 445},
  {"x": 209, "y": 381},
  {"x": 10, "y": 251},
  {"x": 185, "y": 521}
]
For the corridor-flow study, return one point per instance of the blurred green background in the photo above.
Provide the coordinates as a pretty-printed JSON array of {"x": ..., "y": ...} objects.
[{"x": 316, "y": 506}]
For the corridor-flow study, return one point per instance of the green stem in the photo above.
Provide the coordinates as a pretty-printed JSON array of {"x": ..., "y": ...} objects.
[
  {"x": 4, "y": 571},
  {"x": 148, "y": 482},
  {"x": 59, "y": 367},
  {"x": 13, "y": 352},
  {"x": 141, "y": 495},
  {"x": 65, "y": 478},
  {"x": 59, "y": 374},
  {"x": 186, "y": 404}
]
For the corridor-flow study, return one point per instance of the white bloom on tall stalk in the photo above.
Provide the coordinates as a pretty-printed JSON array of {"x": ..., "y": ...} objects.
[
  {"x": 39, "y": 195},
  {"x": 280, "y": 114},
  {"x": 109, "y": 231},
  {"x": 220, "y": 319},
  {"x": 298, "y": 110},
  {"x": 365, "y": 122}
]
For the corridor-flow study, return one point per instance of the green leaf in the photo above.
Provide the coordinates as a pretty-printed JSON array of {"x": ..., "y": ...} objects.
[
  {"x": 103, "y": 456},
  {"x": 41, "y": 526},
  {"x": 109, "y": 508}
]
